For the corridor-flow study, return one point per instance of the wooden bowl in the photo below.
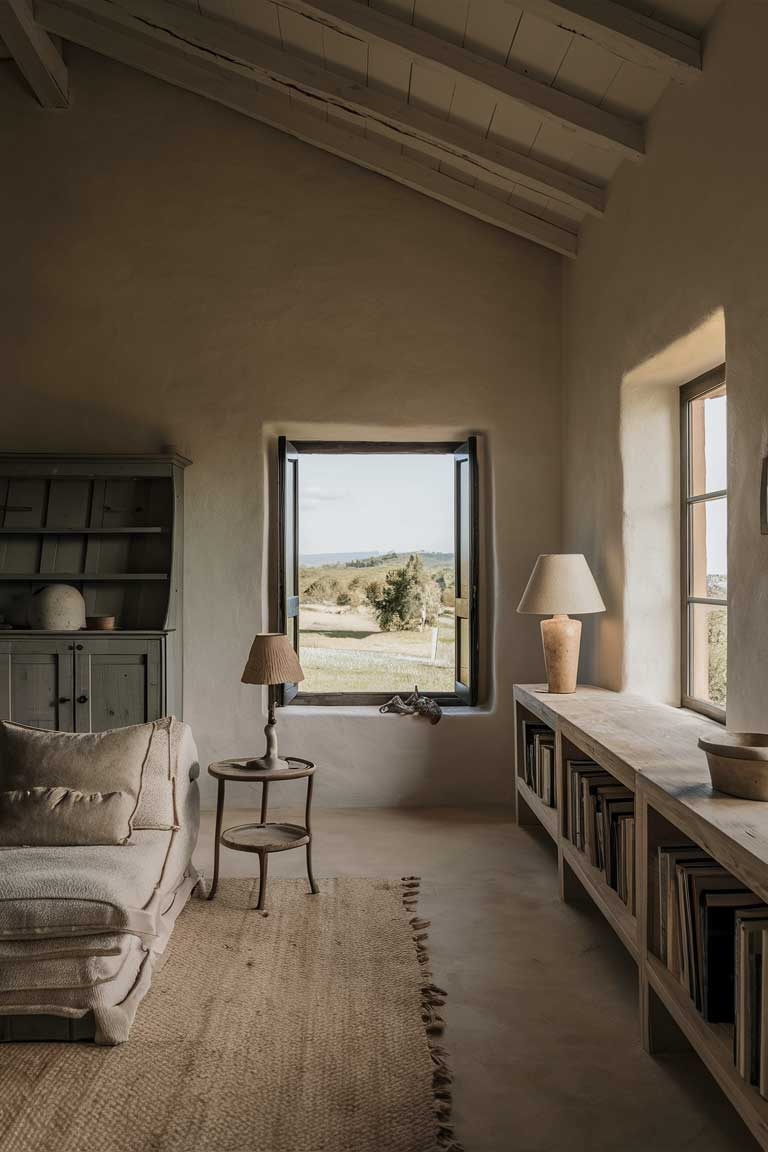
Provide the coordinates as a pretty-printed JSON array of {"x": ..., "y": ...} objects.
[
  {"x": 738, "y": 764},
  {"x": 100, "y": 623}
]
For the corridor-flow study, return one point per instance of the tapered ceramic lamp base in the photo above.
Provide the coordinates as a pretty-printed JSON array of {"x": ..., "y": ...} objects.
[{"x": 561, "y": 637}]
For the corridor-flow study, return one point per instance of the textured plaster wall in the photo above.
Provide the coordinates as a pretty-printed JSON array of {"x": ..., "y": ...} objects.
[
  {"x": 173, "y": 273},
  {"x": 685, "y": 236}
]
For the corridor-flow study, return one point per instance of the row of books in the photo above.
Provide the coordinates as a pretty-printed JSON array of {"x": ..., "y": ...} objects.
[
  {"x": 713, "y": 936},
  {"x": 600, "y": 821},
  {"x": 539, "y": 766}
]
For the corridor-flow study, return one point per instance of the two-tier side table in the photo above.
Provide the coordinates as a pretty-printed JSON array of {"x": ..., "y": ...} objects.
[{"x": 262, "y": 838}]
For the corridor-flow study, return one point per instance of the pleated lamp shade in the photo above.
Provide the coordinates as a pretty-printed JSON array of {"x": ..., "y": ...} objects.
[{"x": 272, "y": 660}]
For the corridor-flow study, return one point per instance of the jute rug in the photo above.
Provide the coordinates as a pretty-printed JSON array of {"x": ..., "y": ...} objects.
[{"x": 307, "y": 1029}]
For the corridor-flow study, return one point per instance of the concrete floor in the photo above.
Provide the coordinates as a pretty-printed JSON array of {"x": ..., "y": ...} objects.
[{"x": 542, "y": 1009}]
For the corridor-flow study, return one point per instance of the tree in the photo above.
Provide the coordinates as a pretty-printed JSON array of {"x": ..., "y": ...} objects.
[
  {"x": 717, "y": 637},
  {"x": 408, "y": 599}
]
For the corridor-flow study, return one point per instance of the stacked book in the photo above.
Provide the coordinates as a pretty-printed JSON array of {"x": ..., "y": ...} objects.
[
  {"x": 713, "y": 935},
  {"x": 600, "y": 819},
  {"x": 539, "y": 767}
]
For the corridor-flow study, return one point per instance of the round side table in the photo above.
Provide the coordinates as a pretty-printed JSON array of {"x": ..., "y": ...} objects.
[{"x": 262, "y": 838}]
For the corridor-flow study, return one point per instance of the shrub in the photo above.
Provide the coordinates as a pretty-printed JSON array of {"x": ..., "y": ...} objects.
[{"x": 407, "y": 600}]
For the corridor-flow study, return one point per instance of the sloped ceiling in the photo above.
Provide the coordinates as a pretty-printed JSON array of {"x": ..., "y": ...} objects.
[{"x": 517, "y": 113}]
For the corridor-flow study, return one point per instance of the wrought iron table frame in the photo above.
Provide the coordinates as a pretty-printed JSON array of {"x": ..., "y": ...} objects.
[{"x": 236, "y": 770}]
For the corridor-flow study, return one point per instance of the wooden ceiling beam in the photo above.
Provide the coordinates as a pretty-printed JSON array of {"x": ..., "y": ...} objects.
[
  {"x": 596, "y": 125},
  {"x": 628, "y": 34},
  {"x": 37, "y": 57},
  {"x": 229, "y": 49},
  {"x": 243, "y": 95}
]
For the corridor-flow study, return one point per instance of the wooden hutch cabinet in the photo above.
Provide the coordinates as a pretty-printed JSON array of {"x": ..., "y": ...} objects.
[{"x": 111, "y": 526}]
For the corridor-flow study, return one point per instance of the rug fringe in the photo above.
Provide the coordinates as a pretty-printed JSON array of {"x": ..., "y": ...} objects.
[{"x": 432, "y": 998}]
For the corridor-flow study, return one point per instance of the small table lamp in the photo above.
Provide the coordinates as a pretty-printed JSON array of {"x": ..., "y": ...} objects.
[
  {"x": 559, "y": 585},
  {"x": 272, "y": 660}
]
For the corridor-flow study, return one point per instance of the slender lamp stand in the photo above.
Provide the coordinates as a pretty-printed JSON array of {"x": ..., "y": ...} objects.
[
  {"x": 560, "y": 584},
  {"x": 272, "y": 661}
]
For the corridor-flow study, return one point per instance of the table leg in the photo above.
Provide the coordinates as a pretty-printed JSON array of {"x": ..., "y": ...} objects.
[
  {"x": 312, "y": 883},
  {"x": 308, "y": 825},
  {"x": 217, "y": 838},
  {"x": 264, "y": 798},
  {"x": 263, "y": 858}
]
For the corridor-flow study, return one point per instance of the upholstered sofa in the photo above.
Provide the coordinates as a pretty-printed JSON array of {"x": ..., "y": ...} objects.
[{"x": 84, "y": 925}]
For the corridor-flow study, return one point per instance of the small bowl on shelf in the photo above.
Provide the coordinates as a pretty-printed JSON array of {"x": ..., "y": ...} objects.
[
  {"x": 738, "y": 764},
  {"x": 100, "y": 623}
]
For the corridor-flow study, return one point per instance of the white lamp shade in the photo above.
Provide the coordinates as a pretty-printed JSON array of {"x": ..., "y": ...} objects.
[{"x": 561, "y": 584}]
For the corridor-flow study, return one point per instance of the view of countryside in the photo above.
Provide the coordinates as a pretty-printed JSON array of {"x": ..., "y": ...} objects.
[
  {"x": 376, "y": 573},
  {"x": 709, "y": 548}
]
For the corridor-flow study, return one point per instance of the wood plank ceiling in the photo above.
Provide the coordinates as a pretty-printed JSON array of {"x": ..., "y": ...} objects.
[{"x": 518, "y": 113}]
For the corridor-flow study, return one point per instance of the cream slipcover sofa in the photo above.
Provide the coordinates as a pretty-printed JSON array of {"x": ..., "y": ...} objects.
[{"x": 83, "y": 927}]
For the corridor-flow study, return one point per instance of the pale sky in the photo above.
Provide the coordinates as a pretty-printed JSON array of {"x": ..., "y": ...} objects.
[
  {"x": 376, "y": 503},
  {"x": 715, "y": 446}
]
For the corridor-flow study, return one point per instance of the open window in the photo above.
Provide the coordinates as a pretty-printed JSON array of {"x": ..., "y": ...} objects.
[
  {"x": 378, "y": 569},
  {"x": 704, "y": 544}
]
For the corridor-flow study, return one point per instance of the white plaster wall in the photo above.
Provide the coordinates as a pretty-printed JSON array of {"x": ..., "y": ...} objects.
[
  {"x": 173, "y": 273},
  {"x": 686, "y": 234}
]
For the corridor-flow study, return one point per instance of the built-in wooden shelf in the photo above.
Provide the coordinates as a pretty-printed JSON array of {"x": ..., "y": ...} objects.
[
  {"x": 74, "y": 577},
  {"x": 609, "y": 902},
  {"x": 154, "y": 531},
  {"x": 652, "y": 749},
  {"x": 547, "y": 816},
  {"x": 714, "y": 1044}
]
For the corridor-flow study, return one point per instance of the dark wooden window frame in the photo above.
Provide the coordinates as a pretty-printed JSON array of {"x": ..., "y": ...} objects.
[
  {"x": 464, "y": 453},
  {"x": 692, "y": 391}
]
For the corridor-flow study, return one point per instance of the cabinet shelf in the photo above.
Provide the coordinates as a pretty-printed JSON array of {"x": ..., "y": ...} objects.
[
  {"x": 111, "y": 528},
  {"x": 78, "y": 577},
  {"x": 149, "y": 531}
]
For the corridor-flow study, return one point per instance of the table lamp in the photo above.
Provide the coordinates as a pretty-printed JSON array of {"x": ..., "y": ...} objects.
[
  {"x": 272, "y": 660},
  {"x": 559, "y": 585}
]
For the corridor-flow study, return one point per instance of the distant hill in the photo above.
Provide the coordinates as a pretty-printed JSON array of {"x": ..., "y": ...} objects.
[
  {"x": 323, "y": 579},
  {"x": 333, "y": 559}
]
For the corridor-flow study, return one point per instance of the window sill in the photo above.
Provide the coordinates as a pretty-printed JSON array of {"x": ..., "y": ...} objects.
[
  {"x": 703, "y": 708},
  {"x": 368, "y": 711}
]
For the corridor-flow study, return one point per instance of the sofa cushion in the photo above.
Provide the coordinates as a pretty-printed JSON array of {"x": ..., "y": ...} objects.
[
  {"x": 35, "y": 763},
  {"x": 156, "y": 807},
  {"x": 49, "y": 816},
  {"x": 57, "y": 892}
]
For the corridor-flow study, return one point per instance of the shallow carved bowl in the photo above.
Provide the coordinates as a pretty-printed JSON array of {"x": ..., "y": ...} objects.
[{"x": 738, "y": 764}]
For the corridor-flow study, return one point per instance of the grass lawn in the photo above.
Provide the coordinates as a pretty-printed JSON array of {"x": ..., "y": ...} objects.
[{"x": 343, "y": 650}]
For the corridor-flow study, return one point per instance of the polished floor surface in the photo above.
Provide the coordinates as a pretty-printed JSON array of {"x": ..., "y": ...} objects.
[{"x": 542, "y": 1010}]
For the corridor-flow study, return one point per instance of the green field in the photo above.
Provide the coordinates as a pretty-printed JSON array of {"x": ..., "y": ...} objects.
[{"x": 341, "y": 645}]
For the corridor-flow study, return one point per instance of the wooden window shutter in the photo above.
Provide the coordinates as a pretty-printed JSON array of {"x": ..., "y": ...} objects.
[
  {"x": 467, "y": 570},
  {"x": 288, "y": 580}
]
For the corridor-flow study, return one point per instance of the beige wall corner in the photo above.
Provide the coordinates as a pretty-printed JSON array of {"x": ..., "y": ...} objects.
[{"x": 683, "y": 240}]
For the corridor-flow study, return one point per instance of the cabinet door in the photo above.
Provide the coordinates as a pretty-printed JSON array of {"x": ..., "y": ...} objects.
[
  {"x": 117, "y": 682},
  {"x": 37, "y": 682}
]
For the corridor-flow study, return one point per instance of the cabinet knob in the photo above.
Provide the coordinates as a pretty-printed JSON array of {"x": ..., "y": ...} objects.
[
  {"x": 79, "y": 647},
  {"x": 82, "y": 699},
  {"x": 64, "y": 699}
]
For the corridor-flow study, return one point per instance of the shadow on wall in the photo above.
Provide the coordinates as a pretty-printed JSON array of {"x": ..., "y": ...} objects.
[
  {"x": 40, "y": 420},
  {"x": 650, "y": 454}
]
